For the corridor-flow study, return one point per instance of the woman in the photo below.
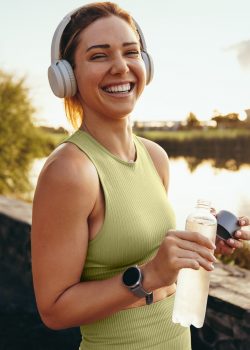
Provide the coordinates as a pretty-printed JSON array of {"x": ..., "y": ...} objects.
[{"x": 105, "y": 252}]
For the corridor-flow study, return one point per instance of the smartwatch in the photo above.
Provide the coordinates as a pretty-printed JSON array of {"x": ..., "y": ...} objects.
[{"x": 132, "y": 278}]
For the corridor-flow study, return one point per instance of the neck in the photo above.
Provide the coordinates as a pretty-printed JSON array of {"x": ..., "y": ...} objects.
[{"x": 115, "y": 136}]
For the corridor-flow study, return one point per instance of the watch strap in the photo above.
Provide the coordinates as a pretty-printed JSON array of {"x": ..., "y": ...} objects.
[
  {"x": 149, "y": 298},
  {"x": 138, "y": 289},
  {"x": 140, "y": 292}
]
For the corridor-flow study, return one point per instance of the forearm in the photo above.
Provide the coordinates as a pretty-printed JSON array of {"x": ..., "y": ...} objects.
[{"x": 87, "y": 302}]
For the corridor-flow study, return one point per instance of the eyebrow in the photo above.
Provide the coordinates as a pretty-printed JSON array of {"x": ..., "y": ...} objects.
[{"x": 107, "y": 46}]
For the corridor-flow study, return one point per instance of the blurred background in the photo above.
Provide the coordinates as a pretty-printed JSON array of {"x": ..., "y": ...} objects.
[{"x": 197, "y": 108}]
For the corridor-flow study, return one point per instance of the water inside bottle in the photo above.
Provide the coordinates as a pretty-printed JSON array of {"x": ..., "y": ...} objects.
[{"x": 192, "y": 285}]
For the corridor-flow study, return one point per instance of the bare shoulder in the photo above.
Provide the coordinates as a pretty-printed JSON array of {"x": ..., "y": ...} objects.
[
  {"x": 159, "y": 158},
  {"x": 68, "y": 175},
  {"x": 67, "y": 164}
]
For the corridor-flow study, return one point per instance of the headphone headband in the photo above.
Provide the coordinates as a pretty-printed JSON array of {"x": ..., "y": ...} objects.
[
  {"x": 55, "y": 45},
  {"x": 60, "y": 72}
]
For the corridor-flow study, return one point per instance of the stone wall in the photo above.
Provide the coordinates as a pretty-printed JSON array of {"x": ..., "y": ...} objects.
[
  {"x": 20, "y": 325},
  {"x": 227, "y": 324}
]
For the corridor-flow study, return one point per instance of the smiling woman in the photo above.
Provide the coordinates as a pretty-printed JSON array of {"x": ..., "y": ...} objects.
[
  {"x": 105, "y": 252},
  {"x": 65, "y": 47},
  {"x": 107, "y": 68}
]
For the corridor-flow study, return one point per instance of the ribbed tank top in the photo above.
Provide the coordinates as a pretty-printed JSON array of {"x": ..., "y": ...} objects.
[{"x": 137, "y": 211}]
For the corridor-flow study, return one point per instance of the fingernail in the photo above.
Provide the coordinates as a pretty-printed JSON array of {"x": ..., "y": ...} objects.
[
  {"x": 212, "y": 266},
  {"x": 243, "y": 222},
  {"x": 231, "y": 241},
  {"x": 237, "y": 233}
]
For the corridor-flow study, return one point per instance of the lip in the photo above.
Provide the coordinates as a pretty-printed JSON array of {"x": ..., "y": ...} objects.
[
  {"x": 117, "y": 83},
  {"x": 118, "y": 94}
]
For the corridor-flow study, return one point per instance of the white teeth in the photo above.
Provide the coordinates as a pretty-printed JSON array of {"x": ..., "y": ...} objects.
[{"x": 118, "y": 88}]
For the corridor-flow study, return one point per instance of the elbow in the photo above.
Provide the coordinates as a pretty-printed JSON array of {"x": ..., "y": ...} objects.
[
  {"x": 52, "y": 325},
  {"x": 51, "y": 321}
]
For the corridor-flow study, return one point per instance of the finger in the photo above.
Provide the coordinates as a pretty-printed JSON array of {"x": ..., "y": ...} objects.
[
  {"x": 196, "y": 238},
  {"x": 188, "y": 264},
  {"x": 244, "y": 221},
  {"x": 193, "y": 247},
  {"x": 234, "y": 243},
  {"x": 242, "y": 234},
  {"x": 187, "y": 254},
  {"x": 224, "y": 249},
  {"x": 194, "y": 264},
  {"x": 219, "y": 246}
]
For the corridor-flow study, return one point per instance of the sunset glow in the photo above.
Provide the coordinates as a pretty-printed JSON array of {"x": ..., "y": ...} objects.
[{"x": 201, "y": 52}]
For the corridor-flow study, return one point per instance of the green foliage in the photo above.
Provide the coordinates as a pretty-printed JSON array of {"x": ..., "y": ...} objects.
[
  {"x": 48, "y": 140},
  {"x": 19, "y": 140},
  {"x": 228, "y": 120},
  {"x": 53, "y": 130},
  {"x": 192, "y": 121}
]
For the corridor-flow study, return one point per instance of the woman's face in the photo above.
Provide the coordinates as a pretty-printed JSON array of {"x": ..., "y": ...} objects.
[{"x": 109, "y": 70}]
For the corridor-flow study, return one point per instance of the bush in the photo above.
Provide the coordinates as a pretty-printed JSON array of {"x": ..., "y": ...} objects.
[{"x": 19, "y": 138}]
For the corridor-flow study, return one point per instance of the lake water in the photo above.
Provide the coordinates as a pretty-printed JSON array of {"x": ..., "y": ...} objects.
[{"x": 226, "y": 189}]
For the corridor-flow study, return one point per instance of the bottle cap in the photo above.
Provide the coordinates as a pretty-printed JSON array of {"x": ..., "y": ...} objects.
[{"x": 227, "y": 224}]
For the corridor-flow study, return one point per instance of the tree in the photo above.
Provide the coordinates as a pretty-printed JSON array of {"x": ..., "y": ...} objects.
[
  {"x": 230, "y": 120},
  {"x": 18, "y": 135},
  {"x": 192, "y": 121}
]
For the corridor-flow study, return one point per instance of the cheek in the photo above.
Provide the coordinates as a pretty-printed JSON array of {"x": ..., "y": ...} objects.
[
  {"x": 88, "y": 72},
  {"x": 141, "y": 74},
  {"x": 87, "y": 80}
]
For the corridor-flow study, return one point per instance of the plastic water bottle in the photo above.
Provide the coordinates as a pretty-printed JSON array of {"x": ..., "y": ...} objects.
[{"x": 193, "y": 285}]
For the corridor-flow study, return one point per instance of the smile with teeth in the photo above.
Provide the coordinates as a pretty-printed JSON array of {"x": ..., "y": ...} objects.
[{"x": 123, "y": 88}]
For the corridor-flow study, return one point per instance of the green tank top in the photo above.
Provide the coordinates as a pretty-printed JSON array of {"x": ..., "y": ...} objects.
[{"x": 137, "y": 211}]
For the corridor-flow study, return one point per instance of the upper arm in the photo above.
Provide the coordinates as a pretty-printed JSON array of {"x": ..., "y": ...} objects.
[
  {"x": 64, "y": 198},
  {"x": 160, "y": 160}
]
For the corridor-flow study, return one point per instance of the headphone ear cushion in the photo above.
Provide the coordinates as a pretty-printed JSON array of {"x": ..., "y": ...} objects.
[
  {"x": 62, "y": 79},
  {"x": 148, "y": 61}
]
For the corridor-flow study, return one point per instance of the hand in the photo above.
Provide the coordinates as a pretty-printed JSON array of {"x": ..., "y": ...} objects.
[
  {"x": 228, "y": 247},
  {"x": 179, "y": 249}
]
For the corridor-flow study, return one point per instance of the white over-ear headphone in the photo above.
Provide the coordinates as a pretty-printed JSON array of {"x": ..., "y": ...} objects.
[{"x": 60, "y": 73}]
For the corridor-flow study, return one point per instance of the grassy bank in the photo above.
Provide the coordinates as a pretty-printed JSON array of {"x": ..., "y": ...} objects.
[
  {"x": 220, "y": 145},
  {"x": 192, "y": 135}
]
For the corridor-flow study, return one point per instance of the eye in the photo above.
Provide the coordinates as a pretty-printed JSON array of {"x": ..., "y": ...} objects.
[
  {"x": 97, "y": 56},
  {"x": 133, "y": 53}
]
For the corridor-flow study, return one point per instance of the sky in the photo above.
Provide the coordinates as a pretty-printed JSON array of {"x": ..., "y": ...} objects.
[{"x": 200, "y": 49}]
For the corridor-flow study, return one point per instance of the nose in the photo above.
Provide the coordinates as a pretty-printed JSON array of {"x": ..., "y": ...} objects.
[{"x": 119, "y": 65}]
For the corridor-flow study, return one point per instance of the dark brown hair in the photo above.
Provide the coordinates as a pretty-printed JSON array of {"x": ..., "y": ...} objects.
[{"x": 80, "y": 20}]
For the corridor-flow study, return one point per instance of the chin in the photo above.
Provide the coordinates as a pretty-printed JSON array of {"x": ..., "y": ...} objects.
[
  {"x": 120, "y": 114},
  {"x": 115, "y": 113}
]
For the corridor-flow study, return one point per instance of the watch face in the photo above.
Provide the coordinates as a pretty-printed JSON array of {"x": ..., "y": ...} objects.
[{"x": 131, "y": 276}]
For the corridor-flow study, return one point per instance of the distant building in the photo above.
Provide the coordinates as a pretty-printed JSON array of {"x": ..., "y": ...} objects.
[
  {"x": 170, "y": 125},
  {"x": 156, "y": 125}
]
